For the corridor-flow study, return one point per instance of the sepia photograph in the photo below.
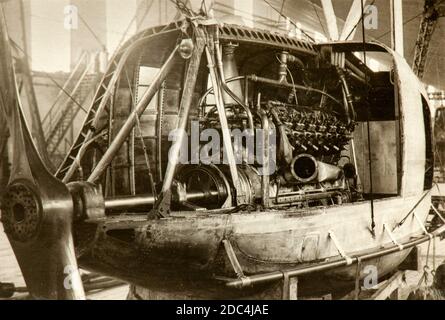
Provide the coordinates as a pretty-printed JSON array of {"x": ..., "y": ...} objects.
[{"x": 222, "y": 150}]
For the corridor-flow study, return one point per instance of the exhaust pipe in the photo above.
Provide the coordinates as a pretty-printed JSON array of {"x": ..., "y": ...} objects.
[
  {"x": 230, "y": 70},
  {"x": 305, "y": 168}
]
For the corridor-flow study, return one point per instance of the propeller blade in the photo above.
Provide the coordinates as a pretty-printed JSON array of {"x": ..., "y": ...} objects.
[{"x": 37, "y": 209}]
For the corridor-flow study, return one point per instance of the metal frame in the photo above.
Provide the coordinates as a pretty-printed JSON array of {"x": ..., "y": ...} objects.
[{"x": 300, "y": 271}]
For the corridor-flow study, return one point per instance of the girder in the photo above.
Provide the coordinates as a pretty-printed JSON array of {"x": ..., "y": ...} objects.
[{"x": 433, "y": 10}]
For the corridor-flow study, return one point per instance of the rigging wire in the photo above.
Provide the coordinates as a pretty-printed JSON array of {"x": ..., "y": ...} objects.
[
  {"x": 319, "y": 20},
  {"x": 104, "y": 47},
  {"x": 184, "y": 9},
  {"x": 46, "y": 74},
  {"x": 134, "y": 18},
  {"x": 294, "y": 90},
  {"x": 368, "y": 118},
  {"x": 281, "y": 10},
  {"x": 141, "y": 137},
  {"x": 409, "y": 20},
  {"x": 360, "y": 21},
  {"x": 290, "y": 20}
]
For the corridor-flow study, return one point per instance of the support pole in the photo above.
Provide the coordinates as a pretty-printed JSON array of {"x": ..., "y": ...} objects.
[
  {"x": 129, "y": 124},
  {"x": 350, "y": 26},
  {"x": 186, "y": 102},
  {"x": 331, "y": 19},
  {"x": 290, "y": 287},
  {"x": 227, "y": 139},
  {"x": 397, "y": 27},
  {"x": 162, "y": 205}
]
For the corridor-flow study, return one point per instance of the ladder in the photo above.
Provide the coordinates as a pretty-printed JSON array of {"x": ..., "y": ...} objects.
[
  {"x": 432, "y": 12},
  {"x": 60, "y": 118},
  {"x": 102, "y": 101}
]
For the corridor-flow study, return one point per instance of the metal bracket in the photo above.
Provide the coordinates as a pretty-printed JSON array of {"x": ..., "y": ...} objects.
[
  {"x": 290, "y": 287},
  {"x": 393, "y": 239},
  {"x": 338, "y": 59},
  {"x": 438, "y": 213},
  {"x": 161, "y": 209},
  {"x": 339, "y": 248},
  {"x": 234, "y": 260},
  {"x": 422, "y": 225},
  {"x": 357, "y": 289}
]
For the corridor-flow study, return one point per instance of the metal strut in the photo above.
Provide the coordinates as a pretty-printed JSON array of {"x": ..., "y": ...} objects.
[
  {"x": 340, "y": 248},
  {"x": 391, "y": 236},
  {"x": 330, "y": 265},
  {"x": 432, "y": 12},
  {"x": 235, "y": 263},
  {"x": 103, "y": 94},
  {"x": 422, "y": 225},
  {"x": 290, "y": 287},
  {"x": 233, "y": 259},
  {"x": 162, "y": 206},
  {"x": 438, "y": 213}
]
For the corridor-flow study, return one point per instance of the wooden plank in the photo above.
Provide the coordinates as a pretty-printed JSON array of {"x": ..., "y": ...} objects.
[
  {"x": 389, "y": 288},
  {"x": 383, "y": 156}
]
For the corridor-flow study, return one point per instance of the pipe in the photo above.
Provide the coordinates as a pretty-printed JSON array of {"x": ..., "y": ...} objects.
[
  {"x": 285, "y": 148},
  {"x": 285, "y": 59},
  {"x": 305, "y": 168},
  {"x": 228, "y": 69},
  {"x": 238, "y": 101},
  {"x": 142, "y": 201},
  {"x": 129, "y": 124},
  {"x": 282, "y": 69},
  {"x": 255, "y": 78},
  {"x": 272, "y": 82},
  {"x": 349, "y": 108},
  {"x": 295, "y": 196},
  {"x": 228, "y": 66},
  {"x": 227, "y": 140},
  {"x": 295, "y": 272},
  {"x": 265, "y": 179},
  {"x": 186, "y": 101},
  {"x": 210, "y": 90},
  {"x": 293, "y": 59}
]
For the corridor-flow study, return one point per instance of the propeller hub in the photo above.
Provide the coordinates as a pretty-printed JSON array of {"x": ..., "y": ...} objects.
[{"x": 21, "y": 214}]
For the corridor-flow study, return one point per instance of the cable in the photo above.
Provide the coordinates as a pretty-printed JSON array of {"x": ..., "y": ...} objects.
[
  {"x": 371, "y": 189},
  {"x": 290, "y": 20},
  {"x": 144, "y": 15},
  {"x": 291, "y": 78},
  {"x": 141, "y": 137},
  {"x": 408, "y": 21},
  {"x": 361, "y": 18},
  {"x": 104, "y": 47},
  {"x": 319, "y": 20},
  {"x": 281, "y": 10},
  {"x": 49, "y": 77},
  {"x": 184, "y": 9}
]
